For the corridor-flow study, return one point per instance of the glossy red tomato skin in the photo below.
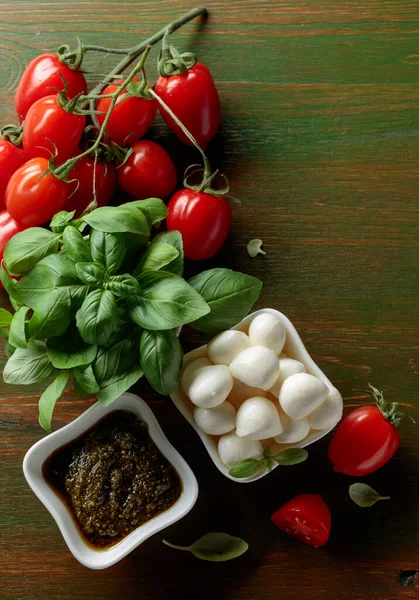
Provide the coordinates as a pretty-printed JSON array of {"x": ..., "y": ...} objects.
[
  {"x": 364, "y": 441},
  {"x": 32, "y": 200},
  {"x": 130, "y": 118},
  {"x": 49, "y": 130},
  {"x": 194, "y": 99},
  {"x": 203, "y": 220},
  {"x": 42, "y": 78},
  {"x": 11, "y": 158},
  {"x": 87, "y": 185},
  {"x": 149, "y": 172},
  {"x": 305, "y": 517},
  {"x": 8, "y": 228}
]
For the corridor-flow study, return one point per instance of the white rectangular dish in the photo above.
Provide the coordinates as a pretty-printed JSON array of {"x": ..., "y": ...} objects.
[{"x": 294, "y": 348}]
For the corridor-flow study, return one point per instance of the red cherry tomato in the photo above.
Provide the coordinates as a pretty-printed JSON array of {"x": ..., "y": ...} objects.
[
  {"x": 42, "y": 78},
  {"x": 194, "y": 99},
  {"x": 305, "y": 517},
  {"x": 203, "y": 220},
  {"x": 89, "y": 184},
  {"x": 31, "y": 199},
  {"x": 11, "y": 158},
  {"x": 8, "y": 228},
  {"x": 149, "y": 172},
  {"x": 50, "y": 130},
  {"x": 364, "y": 441},
  {"x": 130, "y": 117}
]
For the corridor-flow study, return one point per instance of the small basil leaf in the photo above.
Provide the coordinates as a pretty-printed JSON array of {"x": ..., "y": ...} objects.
[
  {"x": 108, "y": 249},
  {"x": 161, "y": 359},
  {"x": 173, "y": 238},
  {"x": 76, "y": 246},
  {"x": 28, "y": 365},
  {"x": 291, "y": 456},
  {"x": 229, "y": 294},
  {"x": 9, "y": 285},
  {"x": 364, "y": 495},
  {"x": 116, "y": 359},
  {"x": 90, "y": 273},
  {"x": 5, "y": 317},
  {"x": 85, "y": 378},
  {"x": 254, "y": 247},
  {"x": 215, "y": 547},
  {"x": 53, "y": 316},
  {"x": 245, "y": 468},
  {"x": 156, "y": 257},
  {"x": 17, "y": 333},
  {"x": 124, "y": 286},
  {"x": 166, "y": 301},
  {"x": 153, "y": 209},
  {"x": 97, "y": 317},
  {"x": 49, "y": 398},
  {"x": 118, "y": 219},
  {"x": 60, "y": 220},
  {"x": 70, "y": 350},
  {"x": 113, "y": 387},
  {"x": 28, "y": 247}
]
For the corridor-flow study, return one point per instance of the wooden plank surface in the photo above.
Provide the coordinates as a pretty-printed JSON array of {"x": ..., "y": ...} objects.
[{"x": 320, "y": 140}]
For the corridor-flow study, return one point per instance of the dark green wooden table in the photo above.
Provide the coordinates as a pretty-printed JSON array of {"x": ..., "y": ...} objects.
[{"x": 320, "y": 140}]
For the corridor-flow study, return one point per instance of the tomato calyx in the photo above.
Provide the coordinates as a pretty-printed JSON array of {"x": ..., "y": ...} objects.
[
  {"x": 171, "y": 61},
  {"x": 198, "y": 179},
  {"x": 12, "y": 133},
  {"x": 72, "y": 58},
  {"x": 391, "y": 414}
]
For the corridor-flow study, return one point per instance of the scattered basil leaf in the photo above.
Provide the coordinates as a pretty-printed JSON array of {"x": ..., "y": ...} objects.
[
  {"x": 49, "y": 398},
  {"x": 156, "y": 257},
  {"x": 85, "y": 379},
  {"x": 118, "y": 219},
  {"x": 112, "y": 388},
  {"x": 76, "y": 246},
  {"x": 5, "y": 317},
  {"x": 97, "y": 317},
  {"x": 291, "y": 456},
  {"x": 108, "y": 249},
  {"x": 161, "y": 359},
  {"x": 364, "y": 495},
  {"x": 254, "y": 247},
  {"x": 173, "y": 238},
  {"x": 229, "y": 295},
  {"x": 90, "y": 273},
  {"x": 245, "y": 468},
  {"x": 116, "y": 359},
  {"x": 53, "y": 317},
  {"x": 124, "y": 286},
  {"x": 60, "y": 220},
  {"x": 28, "y": 365},
  {"x": 28, "y": 247},
  {"x": 214, "y": 547},
  {"x": 153, "y": 209},
  {"x": 70, "y": 350},
  {"x": 17, "y": 333}
]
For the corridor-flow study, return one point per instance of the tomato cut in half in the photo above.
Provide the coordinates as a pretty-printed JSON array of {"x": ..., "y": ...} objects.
[{"x": 305, "y": 517}]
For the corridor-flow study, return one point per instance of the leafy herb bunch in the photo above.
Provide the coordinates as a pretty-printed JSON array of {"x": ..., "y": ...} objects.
[{"x": 105, "y": 306}]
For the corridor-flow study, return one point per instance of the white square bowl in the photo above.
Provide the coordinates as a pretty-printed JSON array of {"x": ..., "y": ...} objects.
[
  {"x": 294, "y": 348},
  {"x": 87, "y": 555}
]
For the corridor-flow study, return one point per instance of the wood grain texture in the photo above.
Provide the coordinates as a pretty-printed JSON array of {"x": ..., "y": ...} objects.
[{"x": 320, "y": 140}]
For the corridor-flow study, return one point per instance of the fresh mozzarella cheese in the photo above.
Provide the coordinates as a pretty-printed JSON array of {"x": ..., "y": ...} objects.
[
  {"x": 258, "y": 419},
  {"x": 287, "y": 367},
  {"x": 233, "y": 449},
  {"x": 210, "y": 386},
  {"x": 189, "y": 372},
  {"x": 301, "y": 394},
  {"x": 216, "y": 421},
  {"x": 242, "y": 392},
  {"x": 224, "y": 348},
  {"x": 329, "y": 413},
  {"x": 267, "y": 330},
  {"x": 293, "y": 430},
  {"x": 256, "y": 366}
]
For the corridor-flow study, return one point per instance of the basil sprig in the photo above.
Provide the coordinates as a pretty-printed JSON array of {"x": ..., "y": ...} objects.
[
  {"x": 104, "y": 304},
  {"x": 250, "y": 466}
]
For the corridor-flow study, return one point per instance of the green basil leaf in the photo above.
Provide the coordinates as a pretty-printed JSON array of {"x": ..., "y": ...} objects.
[
  {"x": 364, "y": 495},
  {"x": 173, "y": 238},
  {"x": 229, "y": 294},
  {"x": 112, "y": 388},
  {"x": 53, "y": 316},
  {"x": 291, "y": 456},
  {"x": 97, "y": 317},
  {"x": 245, "y": 468},
  {"x": 124, "y": 286},
  {"x": 76, "y": 246},
  {"x": 90, "y": 273},
  {"x": 85, "y": 379},
  {"x": 215, "y": 547},
  {"x": 9, "y": 349},
  {"x": 118, "y": 219},
  {"x": 254, "y": 247},
  {"x": 153, "y": 209},
  {"x": 5, "y": 317},
  {"x": 156, "y": 257},
  {"x": 28, "y": 247},
  {"x": 28, "y": 365},
  {"x": 9, "y": 285},
  {"x": 4, "y": 333},
  {"x": 108, "y": 249},
  {"x": 17, "y": 333},
  {"x": 60, "y": 220},
  {"x": 70, "y": 350},
  {"x": 166, "y": 301},
  {"x": 49, "y": 398},
  {"x": 161, "y": 359},
  {"x": 116, "y": 359}
]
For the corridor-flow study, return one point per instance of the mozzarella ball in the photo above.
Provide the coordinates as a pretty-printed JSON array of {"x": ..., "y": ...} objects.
[
  {"x": 189, "y": 372},
  {"x": 257, "y": 367},
  {"x": 225, "y": 347},
  {"x": 258, "y": 419},
  {"x": 300, "y": 394},
  {"x": 242, "y": 392},
  {"x": 216, "y": 421},
  {"x": 287, "y": 367},
  {"x": 293, "y": 430},
  {"x": 233, "y": 449},
  {"x": 267, "y": 330},
  {"x": 210, "y": 386},
  {"x": 329, "y": 412}
]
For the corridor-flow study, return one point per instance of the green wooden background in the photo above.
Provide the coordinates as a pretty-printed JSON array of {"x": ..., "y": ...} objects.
[{"x": 320, "y": 141}]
